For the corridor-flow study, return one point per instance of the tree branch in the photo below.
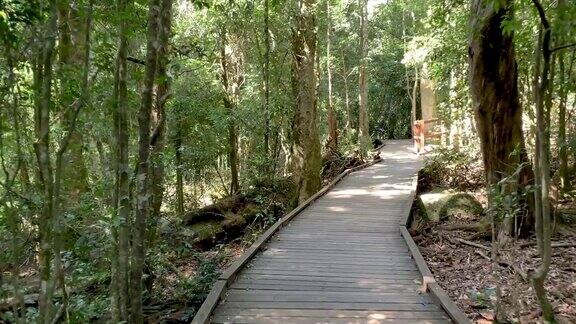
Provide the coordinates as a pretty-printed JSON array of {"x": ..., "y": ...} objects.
[{"x": 562, "y": 47}]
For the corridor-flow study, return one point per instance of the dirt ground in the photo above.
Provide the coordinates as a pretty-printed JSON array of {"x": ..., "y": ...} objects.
[{"x": 470, "y": 277}]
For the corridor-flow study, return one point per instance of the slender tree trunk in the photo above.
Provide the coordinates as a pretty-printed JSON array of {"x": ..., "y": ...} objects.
[
  {"x": 543, "y": 219},
  {"x": 306, "y": 143},
  {"x": 332, "y": 143},
  {"x": 267, "y": 78},
  {"x": 495, "y": 98},
  {"x": 563, "y": 94},
  {"x": 157, "y": 141},
  {"x": 179, "y": 173},
  {"x": 43, "y": 84},
  {"x": 364, "y": 142},
  {"x": 345, "y": 75},
  {"x": 122, "y": 205},
  {"x": 142, "y": 187}
]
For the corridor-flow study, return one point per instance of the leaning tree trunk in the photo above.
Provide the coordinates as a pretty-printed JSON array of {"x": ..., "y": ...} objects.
[
  {"x": 363, "y": 127},
  {"x": 495, "y": 99},
  {"x": 306, "y": 142}
]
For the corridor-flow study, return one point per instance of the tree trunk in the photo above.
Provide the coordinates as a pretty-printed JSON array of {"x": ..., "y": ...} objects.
[
  {"x": 494, "y": 89},
  {"x": 122, "y": 205},
  {"x": 543, "y": 217},
  {"x": 71, "y": 43},
  {"x": 43, "y": 85},
  {"x": 142, "y": 187},
  {"x": 345, "y": 75},
  {"x": 179, "y": 173},
  {"x": 267, "y": 78},
  {"x": 159, "y": 132},
  {"x": 364, "y": 142},
  {"x": 229, "y": 104},
  {"x": 306, "y": 142},
  {"x": 332, "y": 144}
]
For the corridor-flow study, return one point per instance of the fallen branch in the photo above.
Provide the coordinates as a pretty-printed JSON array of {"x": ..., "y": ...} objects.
[
  {"x": 482, "y": 255},
  {"x": 554, "y": 244},
  {"x": 473, "y": 244}
]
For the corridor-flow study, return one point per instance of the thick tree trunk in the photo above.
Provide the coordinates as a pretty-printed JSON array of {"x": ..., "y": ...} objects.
[
  {"x": 494, "y": 89},
  {"x": 306, "y": 142},
  {"x": 364, "y": 142},
  {"x": 332, "y": 143},
  {"x": 562, "y": 144},
  {"x": 143, "y": 177}
]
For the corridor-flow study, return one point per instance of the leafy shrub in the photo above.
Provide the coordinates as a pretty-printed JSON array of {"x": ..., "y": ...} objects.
[{"x": 452, "y": 169}]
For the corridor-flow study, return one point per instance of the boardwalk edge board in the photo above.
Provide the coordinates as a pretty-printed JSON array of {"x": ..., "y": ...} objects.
[
  {"x": 428, "y": 280},
  {"x": 220, "y": 287}
]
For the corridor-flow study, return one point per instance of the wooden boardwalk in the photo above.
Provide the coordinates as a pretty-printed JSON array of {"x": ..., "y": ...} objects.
[{"x": 342, "y": 259}]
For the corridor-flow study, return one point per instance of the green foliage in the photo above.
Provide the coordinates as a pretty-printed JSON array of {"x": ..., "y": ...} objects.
[{"x": 452, "y": 169}]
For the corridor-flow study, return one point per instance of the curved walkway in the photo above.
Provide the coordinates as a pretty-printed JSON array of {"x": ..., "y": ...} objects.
[{"x": 342, "y": 259}]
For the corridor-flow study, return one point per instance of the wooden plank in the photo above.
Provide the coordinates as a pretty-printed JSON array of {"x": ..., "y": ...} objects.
[
  {"x": 315, "y": 313},
  {"x": 319, "y": 320},
  {"x": 333, "y": 305},
  {"x": 325, "y": 296},
  {"x": 455, "y": 313},
  {"x": 348, "y": 258},
  {"x": 418, "y": 258},
  {"x": 302, "y": 266},
  {"x": 343, "y": 274},
  {"x": 260, "y": 276},
  {"x": 357, "y": 254},
  {"x": 413, "y": 289},
  {"x": 365, "y": 284},
  {"x": 337, "y": 262},
  {"x": 205, "y": 311}
]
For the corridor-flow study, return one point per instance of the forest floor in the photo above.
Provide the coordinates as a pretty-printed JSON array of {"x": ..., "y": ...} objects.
[{"x": 459, "y": 258}]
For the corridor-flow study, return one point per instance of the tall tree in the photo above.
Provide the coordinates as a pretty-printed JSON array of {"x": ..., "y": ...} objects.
[
  {"x": 157, "y": 141},
  {"x": 121, "y": 201},
  {"x": 494, "y": 91},
  {"x": 142, "y": 212},
  {"x": 306, "y": 142}
]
